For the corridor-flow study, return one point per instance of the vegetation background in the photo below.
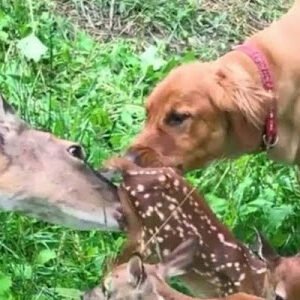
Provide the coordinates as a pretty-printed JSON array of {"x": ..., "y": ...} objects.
[{"x": 102, "y": 58}]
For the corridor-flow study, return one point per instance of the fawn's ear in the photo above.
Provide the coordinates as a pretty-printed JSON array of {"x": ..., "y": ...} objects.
[
  {"x": 265, "y": 251},
  {"x": 180, "y": 260},
  {"x": 136, "y": 271}
]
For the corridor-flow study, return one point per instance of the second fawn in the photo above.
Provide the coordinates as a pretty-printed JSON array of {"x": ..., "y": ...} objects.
[{"x": 136, "y": 281}]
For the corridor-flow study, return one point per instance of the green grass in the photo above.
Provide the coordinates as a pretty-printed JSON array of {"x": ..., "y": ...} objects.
[{"x": 103, "y": 58}]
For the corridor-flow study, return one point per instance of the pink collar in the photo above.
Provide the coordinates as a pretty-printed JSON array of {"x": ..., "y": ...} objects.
[{"x": 270, "y": 136}]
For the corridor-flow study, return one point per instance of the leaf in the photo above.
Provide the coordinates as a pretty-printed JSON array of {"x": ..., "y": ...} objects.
[
  {"x": 277, "y": 215},
  {"x": 218, "y": 205},
  {"x": 126, "y": 117},
  {"x": 44, "y": 256},
  {"x": 3, "y": 36},
  {"x": 23, "y": 271},
  {"x": 31, "y": 47},
  {"x": 66, "y": 293},
  {"x": 258, "y": 205},
  {"x": 85, "y": 42},
  {"x": 5, "y": 283},
  {"x": 5, "y": 20},
  {"x": 151, "y": 58}
]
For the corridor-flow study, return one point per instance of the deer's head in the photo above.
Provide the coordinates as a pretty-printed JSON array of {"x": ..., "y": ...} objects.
[
  {"x": 47, "y": 177},
  {"x": 284, "y": 281},
  {"x": 136, "y": 281}
]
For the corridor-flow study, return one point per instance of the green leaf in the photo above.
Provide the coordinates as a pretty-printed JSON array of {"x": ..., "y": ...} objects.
[
  {"x": 23, "y": 271},
  {"x": 85, "y": 42},
  {"x": 4, "y": 20},
  {"x": 126, "y": 117},
  {"x": 277, "y": 215},
  {"x": 3, "y": 36},
  {"x": 31, "y": 47},
  {"x": 66, "y": 293},
  {"x": 151, "y": 58},
  {"x": 5, "y": 283},
  {"x": 44, "y": 256},
  {"x": 218, "y": 204}
]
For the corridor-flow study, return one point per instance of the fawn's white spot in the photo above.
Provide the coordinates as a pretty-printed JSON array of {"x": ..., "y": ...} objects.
[
  {"x": 140, "y": 188},
  {"x": 162, "y": 178}
]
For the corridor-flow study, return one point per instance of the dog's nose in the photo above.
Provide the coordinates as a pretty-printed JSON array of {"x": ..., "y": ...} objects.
[{"x": 133, "y": 156}]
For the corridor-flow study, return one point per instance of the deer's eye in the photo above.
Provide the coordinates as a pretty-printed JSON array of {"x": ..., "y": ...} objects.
[
  {"x": 176, "y": 118},
  {"x": 76, "y": 151}
]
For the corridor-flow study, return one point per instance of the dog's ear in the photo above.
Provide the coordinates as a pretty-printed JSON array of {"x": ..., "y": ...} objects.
[{"x": 236, "y": 91}]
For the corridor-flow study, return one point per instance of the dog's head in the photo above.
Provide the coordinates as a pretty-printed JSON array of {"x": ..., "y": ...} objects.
[{"x": 200, "y": 112}]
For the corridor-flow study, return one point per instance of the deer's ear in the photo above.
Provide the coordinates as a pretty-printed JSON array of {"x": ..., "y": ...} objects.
[
  {"x": 136, "y": 271},
  {"x": 180, "y": 260},
  {"x": 8, "y": 118},
  {"x": 265, "y": 250}
]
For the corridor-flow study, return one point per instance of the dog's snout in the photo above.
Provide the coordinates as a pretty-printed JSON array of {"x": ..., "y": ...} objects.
[
  {"x": 133, "y": 156},
  {"x": 144, "y": 157}
]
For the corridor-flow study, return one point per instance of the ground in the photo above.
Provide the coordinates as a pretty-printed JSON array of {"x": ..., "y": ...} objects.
[{"x": 102, "y": 59}]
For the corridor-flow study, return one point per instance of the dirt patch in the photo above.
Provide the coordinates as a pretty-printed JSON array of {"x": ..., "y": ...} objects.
[{"x": 176, "y": 22}]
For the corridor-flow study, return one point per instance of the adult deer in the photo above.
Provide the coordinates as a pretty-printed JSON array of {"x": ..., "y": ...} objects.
[
  {"x": 47, "y": 177},
  {"x": 162, "y": 211},
  {"x": 135, "y": 280}
]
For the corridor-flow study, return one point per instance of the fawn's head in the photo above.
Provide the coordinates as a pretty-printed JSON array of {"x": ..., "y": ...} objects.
[
  {"x": 284, "y": 281},
  {"x": 47, "y": 177},
  {"x": 138, "y": 281}
]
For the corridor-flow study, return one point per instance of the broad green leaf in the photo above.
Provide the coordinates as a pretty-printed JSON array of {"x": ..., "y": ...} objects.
[
  {"x": 66, "y": 293},
  {"x": 31, "y": 47},
  {"x": 277, "y": 215},
  {"x": 126, "y": 117},
  {"x": 44, "y": 256},
  {"x": 151, "y": 58},
  {"x": 4, "y": 20},
  {"x": 3, "y": 36},
  {"x": 5, "y": 283},
  {"x": 218, "y": 204},
  {"x": 23, "y": 271}
]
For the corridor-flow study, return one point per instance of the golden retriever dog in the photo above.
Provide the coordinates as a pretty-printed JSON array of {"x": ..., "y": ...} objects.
[{"x": 239, "y": 103}]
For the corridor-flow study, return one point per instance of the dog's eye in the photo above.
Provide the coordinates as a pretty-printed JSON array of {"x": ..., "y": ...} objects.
[
  {"x": 176, "y": 119},
  {"x": 277, "y": 297}
]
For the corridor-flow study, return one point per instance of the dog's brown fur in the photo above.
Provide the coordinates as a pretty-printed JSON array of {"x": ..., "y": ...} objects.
[{"x": 224, "y": 104}]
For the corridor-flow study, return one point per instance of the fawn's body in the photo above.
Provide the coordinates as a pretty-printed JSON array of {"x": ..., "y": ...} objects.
[{"x": 163, "y": 211}]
